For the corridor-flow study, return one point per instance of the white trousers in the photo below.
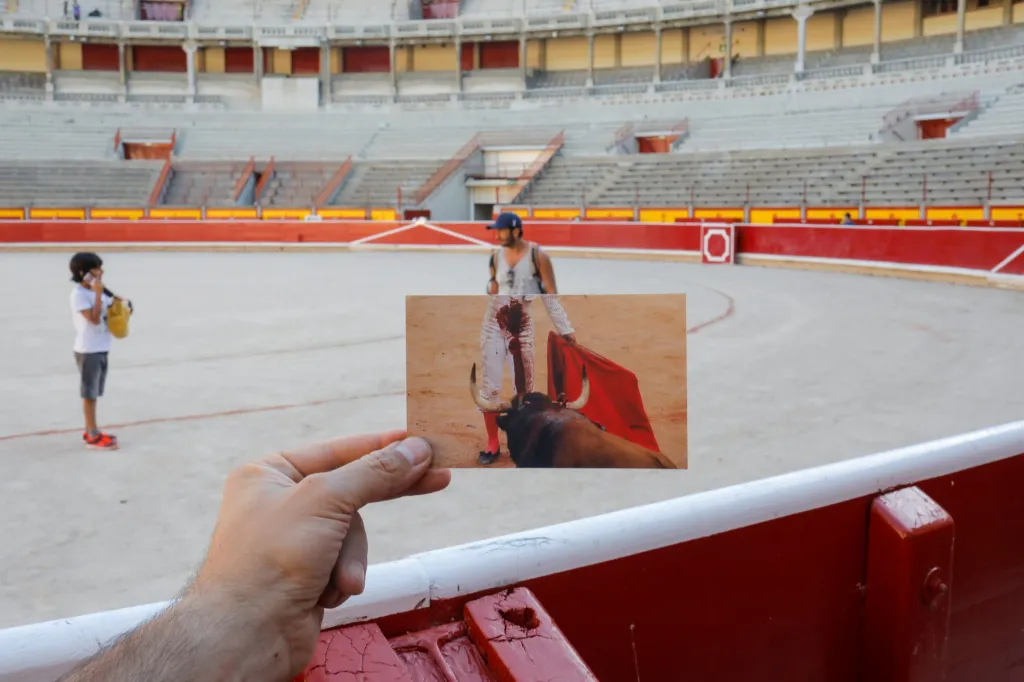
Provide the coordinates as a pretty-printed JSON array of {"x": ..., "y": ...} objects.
[{"x": 496, "y": 354}]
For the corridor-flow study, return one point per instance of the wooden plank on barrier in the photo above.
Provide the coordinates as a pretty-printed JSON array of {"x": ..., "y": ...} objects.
[
  {"x": 908, "y": 588},
  {"x": 57, "y": 213},
  {"x": 117, "y": 213},
  {"x": 12, "y": 214},
  {"x": 286, "y": 213},
  {"x": 232, "y": 214}
]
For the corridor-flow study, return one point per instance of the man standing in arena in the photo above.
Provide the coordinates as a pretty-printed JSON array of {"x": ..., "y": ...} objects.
[
  {"x": 89, "y": 304},
  {"x": 520, "y": 271}
]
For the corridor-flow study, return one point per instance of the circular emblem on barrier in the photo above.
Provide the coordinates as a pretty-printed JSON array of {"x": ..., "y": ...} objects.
[{"x": 721, "y": 238}]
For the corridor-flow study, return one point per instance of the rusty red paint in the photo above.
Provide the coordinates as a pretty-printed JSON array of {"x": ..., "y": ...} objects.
[
  {"x": 355, "y": 652},
  {"x": 909, "y": 569},
  {"x": 521, "y": 641},
  {"x": 503, "y": 637},
  {"x": 429, "y": 654}
]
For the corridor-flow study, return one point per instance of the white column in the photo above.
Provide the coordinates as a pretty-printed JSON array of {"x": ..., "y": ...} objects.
[
  {"x": 49, "y": 66},
  {"x": 657, "y": 54},
  {"x": 122, "y": 65},
  {"x": 802, "y": 13},
  {"x": 190, "y": 60},
  {"x": 325, "y": 72},
  {"x": 394, "y": 67},
  {"x": 590, "y": 62},
  {"x": 961, "y": 12},
  {"x": 458, "y": 63},
  {"x": 876, "y": 55},
  {"x": 257, "y": 62},
  {"x": 522, "y": 56},
  {"x": 727, "y": 64}
]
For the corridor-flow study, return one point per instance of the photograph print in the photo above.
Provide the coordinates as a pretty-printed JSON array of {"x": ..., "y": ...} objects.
[{"x": 549, "y": 381}]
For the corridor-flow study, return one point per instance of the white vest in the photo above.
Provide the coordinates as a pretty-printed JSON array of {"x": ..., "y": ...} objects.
[{"x": 518, "y": 281}]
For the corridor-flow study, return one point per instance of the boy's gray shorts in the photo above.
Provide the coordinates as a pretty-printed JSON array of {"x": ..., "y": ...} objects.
[{"x": 93, "y": 368}]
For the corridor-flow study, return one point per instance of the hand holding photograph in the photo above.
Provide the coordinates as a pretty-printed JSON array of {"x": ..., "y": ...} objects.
[{"x": 611, "y": 394}]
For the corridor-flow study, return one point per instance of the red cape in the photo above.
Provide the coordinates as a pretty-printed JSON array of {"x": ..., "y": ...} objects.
[{"x": 615, "y": 401}]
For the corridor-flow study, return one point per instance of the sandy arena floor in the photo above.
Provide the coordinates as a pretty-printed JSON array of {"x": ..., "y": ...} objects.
[{"x": 234, "y": 355}]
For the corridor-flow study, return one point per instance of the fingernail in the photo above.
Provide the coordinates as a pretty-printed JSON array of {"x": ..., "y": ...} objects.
[
  {"x": 357, "y": 578},
  {"x": 416, "y": 450}
]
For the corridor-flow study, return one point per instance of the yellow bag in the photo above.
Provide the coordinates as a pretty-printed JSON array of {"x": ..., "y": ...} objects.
[{"x": 117, "y": 318}]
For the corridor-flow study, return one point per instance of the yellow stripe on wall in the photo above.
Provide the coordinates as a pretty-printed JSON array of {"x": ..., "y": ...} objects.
[
  {"x": 285, "y": 213},
  {"x": 956, "y": 213},
  {"x": 52, "y": 213},
  {"x": 662, "y": 215},
  {"x": 176, "y": 213},
  {"x": 231, "y": 213},
  {"x": 383, "y": 214},
  {"x": 117, "y": 213}
]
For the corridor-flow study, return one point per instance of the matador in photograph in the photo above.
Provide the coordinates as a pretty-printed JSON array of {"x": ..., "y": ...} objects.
[{"x": 520, "y": 273}]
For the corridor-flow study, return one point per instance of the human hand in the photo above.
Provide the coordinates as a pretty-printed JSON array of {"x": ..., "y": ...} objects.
[
  {"x": 96, "y": 284},
  {"x": 289, "y": 541},
  {"x": 571, "y": 338}
]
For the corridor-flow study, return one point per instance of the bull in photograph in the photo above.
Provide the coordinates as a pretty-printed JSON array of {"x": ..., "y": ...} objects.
[{"x": 543, "y": 433}]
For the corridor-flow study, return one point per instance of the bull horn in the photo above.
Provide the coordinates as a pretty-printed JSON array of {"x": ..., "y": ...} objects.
[
  {"x": 483, "y": 403},
  {"x": 584, "y": 393}
]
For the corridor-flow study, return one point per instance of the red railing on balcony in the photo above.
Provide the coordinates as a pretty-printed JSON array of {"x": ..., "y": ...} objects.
[
  {"x": 243, "y": 179},
  {"x": 329, "y": 188}
]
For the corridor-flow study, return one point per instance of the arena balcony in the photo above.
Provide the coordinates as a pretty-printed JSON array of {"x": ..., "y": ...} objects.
[{"x": 319, "y": 53}]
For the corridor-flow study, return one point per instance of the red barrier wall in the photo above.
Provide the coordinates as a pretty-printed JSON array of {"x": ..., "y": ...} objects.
[
  {"x": 953, "y": 247},
  {"x": 980, "y": 249},
  {"x": 784, "y": 599}
]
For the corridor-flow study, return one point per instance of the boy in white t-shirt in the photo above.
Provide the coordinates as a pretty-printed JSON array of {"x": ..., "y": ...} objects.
[{"x": 89, "y": 303}]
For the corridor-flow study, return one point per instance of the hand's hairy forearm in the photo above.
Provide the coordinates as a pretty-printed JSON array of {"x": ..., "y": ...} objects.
[{"x": 192, "y": 640}]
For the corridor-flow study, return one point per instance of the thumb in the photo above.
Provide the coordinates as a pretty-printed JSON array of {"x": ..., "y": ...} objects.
[{"x": 379, "y": 475}]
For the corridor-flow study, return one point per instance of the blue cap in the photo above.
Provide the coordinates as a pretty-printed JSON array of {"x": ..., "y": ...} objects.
[{"x": 506, "y": 221}]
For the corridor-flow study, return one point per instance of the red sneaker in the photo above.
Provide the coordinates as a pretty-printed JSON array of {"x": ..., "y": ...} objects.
[{"x": 102, "y": 441}]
